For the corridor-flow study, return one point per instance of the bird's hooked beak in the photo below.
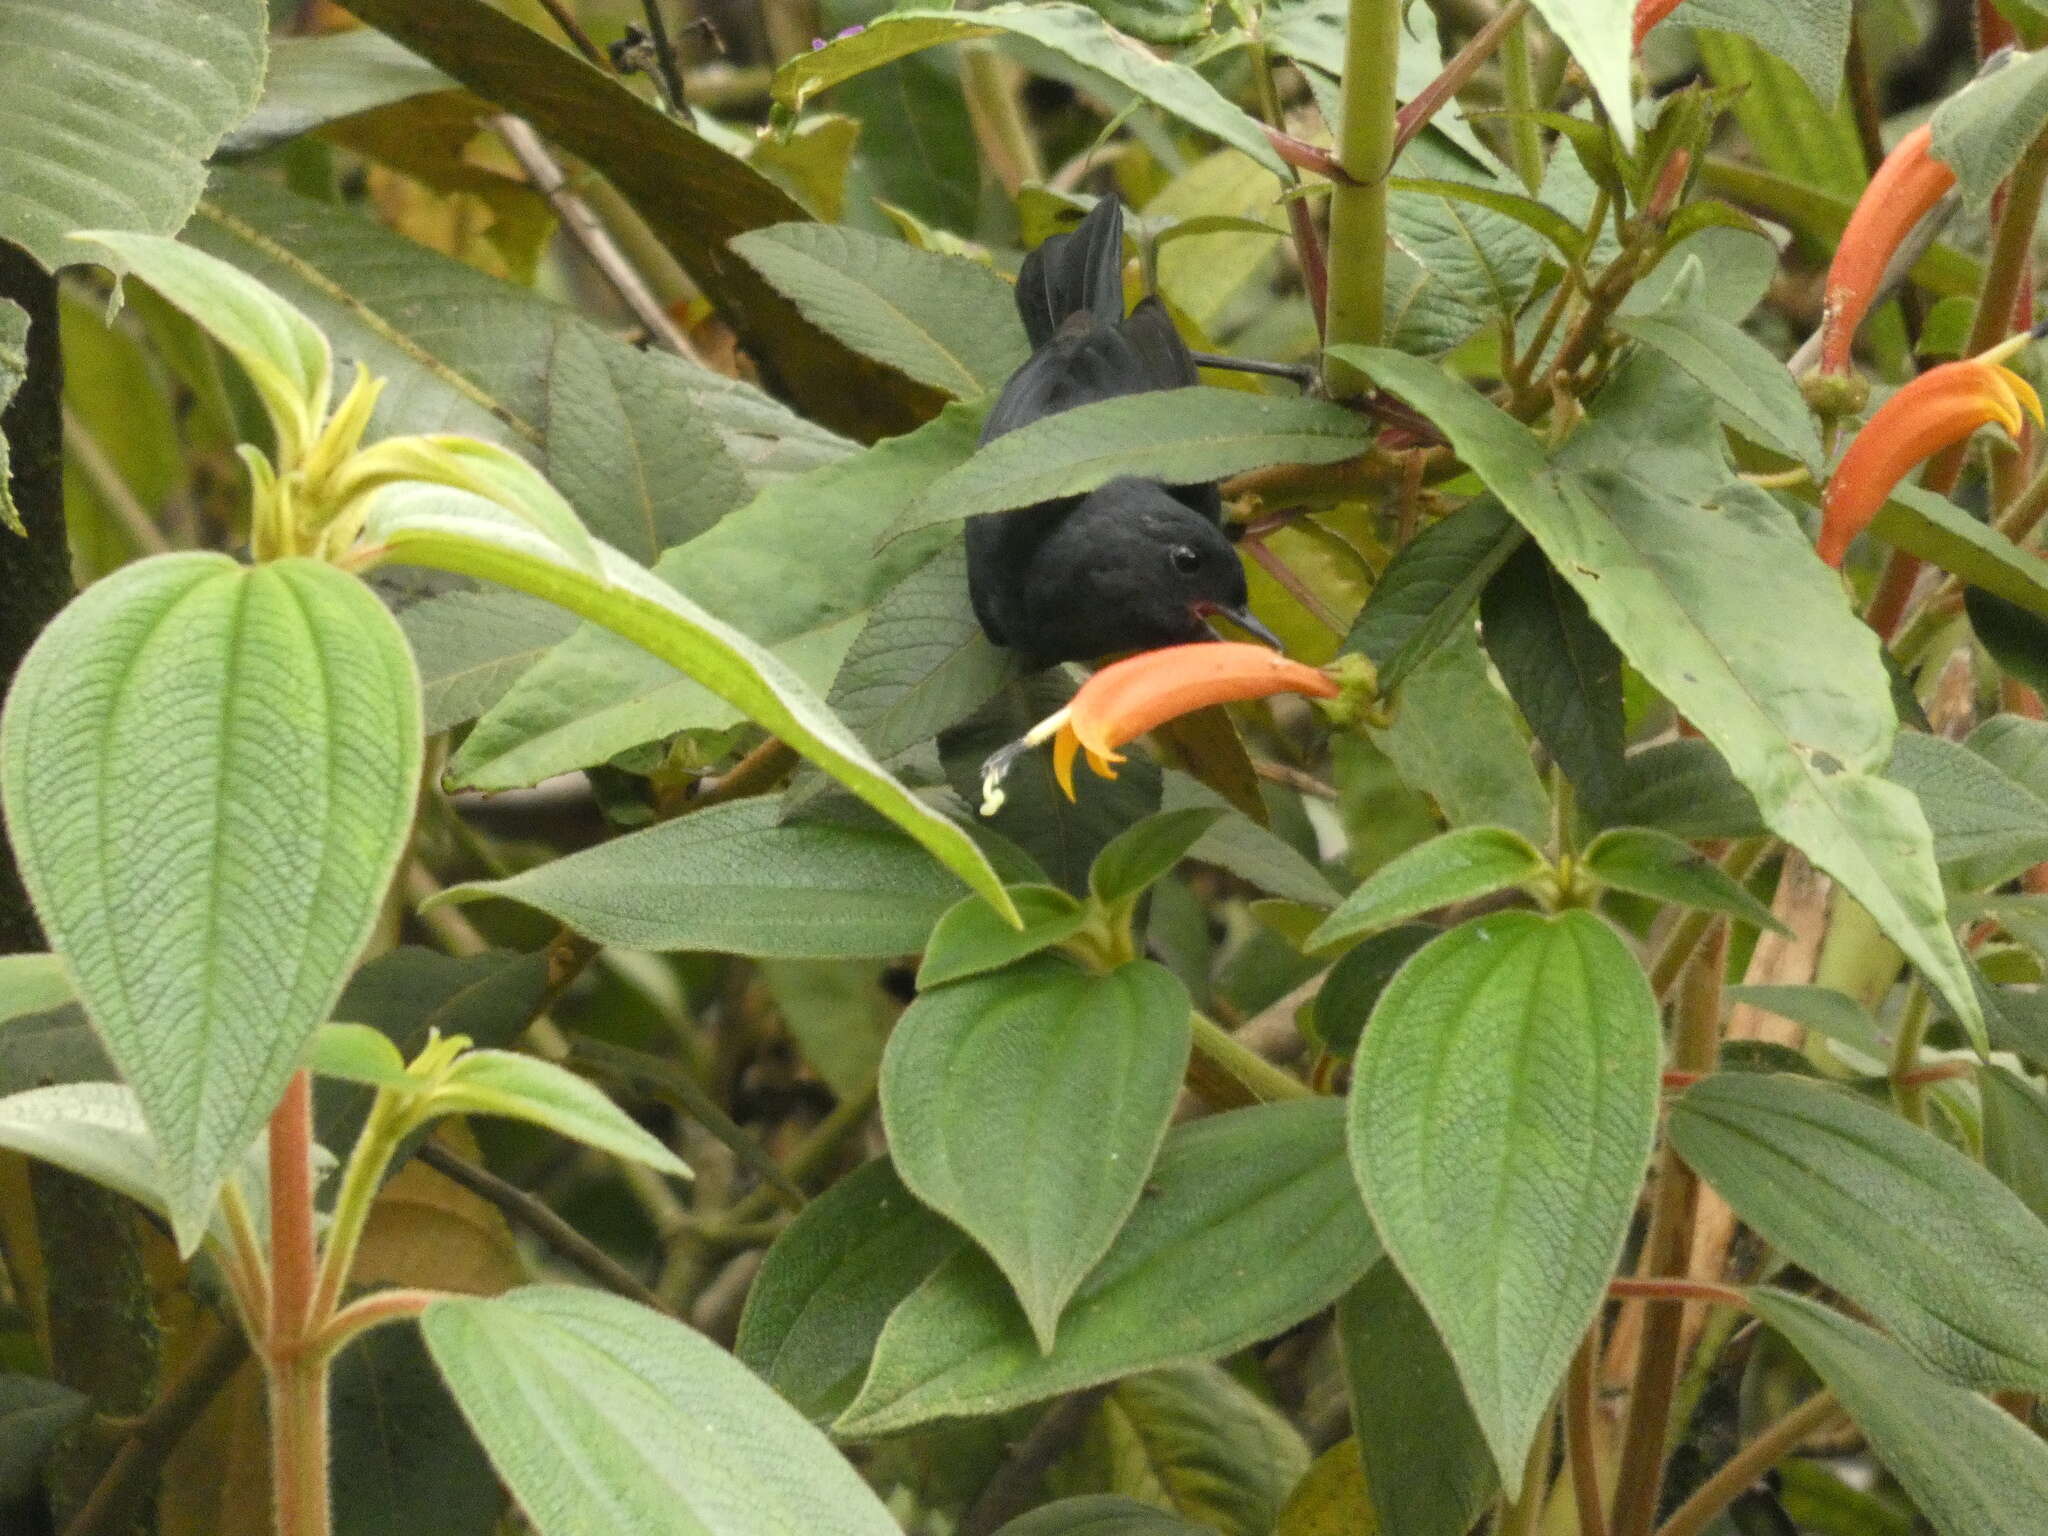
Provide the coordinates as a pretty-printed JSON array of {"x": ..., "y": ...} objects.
[{"x": 1242, "y": 618}]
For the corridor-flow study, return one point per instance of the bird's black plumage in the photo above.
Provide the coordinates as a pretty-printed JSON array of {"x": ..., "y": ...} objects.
[{"x": 1134, "y": 564}]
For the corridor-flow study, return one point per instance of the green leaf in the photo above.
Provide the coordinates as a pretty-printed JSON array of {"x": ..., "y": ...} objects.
[
  {"x": 1546, "y": 221},
  {"x": 1810, "y": 35},
  {"x": 408, "y": 1463},
  {"x": 1337, "y": 1014},
  {"x": 541, "y": 1093},
  {"x": 1823, "y": 1010},
  {"x": 1938, "y": 531},
  {"x": 792, "y": 569},
  {"x": 1455, "y": 737},
  {"x": 94, "y": 1130},
  {"x": 285, "y": 357},
  {"x": 1560, "y": 669},
  {"x": 209, "y": 773},
  {"x": 1659, "y": 866},
  {"x": 13, "y": 369},
  {"x": 483, "y": 469},
  {"x": 473, "y": 646},
  {"x": 1427, "y": 1469},
  {"x": 944, "y": 320},
  {"x": 1028, "y": 1106},
  {"x": 1101, "y": 1514},
  {"x": 1147, "y": 852},
  {"x": 694, "y": 196},
  {"x": 1598, "y": 34},
  {"x": 1457, "y": 866},
  {"x": 830, "y": 1282},
  {"x": 971, "y": 939},
  {"x": 2016, "y": 638},
  {"x": 1194, "y": 1440},
  {"x": 357, "y": 1053},
  {"x": 1675, "y": 561},
  {"x": 422, "y": 525},
  {"x": 2016, "y": 1135},
  {"x": 733, "y": 879},
  {"x": 1905, "y": 1226},
  {"x": 32, "y": 984},
  {"x": 1796, "y": 132},
  {"x": 1755, "y": 391},
  {"x": 111, "y": 113},
  {"x": 2016, "y": 746},
  {"x": 602, "y": 1415},
  {"x": 1683, "y": 787},
  {"x": 1175, "y": 1286},
  {"x": 1157, "y": 21},
  {"x": 1984, "y": 128},
  {"x": 1970, "y": 1467},
  {"x": 1987, "y": 827},
  {"x": 1178, "y": 435},
  {"x": 33, "y": 1413},
  {"x": 1118, "y": 71},
  {"x": 316, "y": 80},
  {"x": 1430, "y": 586},
  {"x": 1485, "y": 260},
  {"x": 1502, "y": 1107}
]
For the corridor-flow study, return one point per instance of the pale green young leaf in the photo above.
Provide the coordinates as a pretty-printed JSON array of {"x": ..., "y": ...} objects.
[
  {"x": 486, "y": 470},
  {"x": 1650, "y": 542},
  {"x": 283, "y": 353},
  {"x": 111, "y": 111},
  {"x": 1027, "y": 1106},
  {"x": 946, "y": 321},
  {"x": 1502, "y": 1108},
  {"x": 1177, "y": 435},
  {"x": 1984, "y": 128},
  {"x": 603, "y": 1416},
  {"x": 357, "y": 1053},
  {"x": 1120, "y": 71},
  {"x": 1970, "y": 1467},
  {"x": 426, "y": 525},
  {"x": 1456, "y": 866},
  {"x": 1175, "y": 1286},
  {"x": 209, "y": 773},
  {"x": 541, "y": 1093},
  {"x": 733, "y": 878},
  {"x": 1655, "y": 864},
  {"x": 972, "y": 938},
  {"x": 1905, "y": 1226},
  {"x": 831, "y": 1280},
  {"x": 32, "y": 984}
]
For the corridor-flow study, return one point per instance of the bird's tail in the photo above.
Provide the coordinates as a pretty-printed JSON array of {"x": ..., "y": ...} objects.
[{"x": 1075, "y": 273}]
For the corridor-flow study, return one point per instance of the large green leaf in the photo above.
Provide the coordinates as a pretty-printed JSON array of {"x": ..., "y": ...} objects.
[
  {"x": 1503, "y": 1103},
  {"x": 1983, "y": 129},
  {"x": 1971, "y": 1467},
  {"x": 1905, "y": 1226},
  {"x": 1459, "y": 865},
  {"x": 209, "y": 774},
  {"x": 1175, "y": 1286},
  {"x": 793, "y": 570},
  {"x": 733, "y": 879},
  {"x": 1756, "y": 393},
  {"x": 1810, "y": 35},
  {"x": 1661, "y": 867},
  {"x": 111, "y": 111},
  {"x": 1987, "y": 827},
  {"x": 604, "y": 1416},
  {"x": 1120, "y": 71},
  {"x": 315, "y": 80},
  {"x": 693, "y": 195},
  {"x": 1430, "y": 587},
  {"x": 944, "y": 320},
  {"x": 1177, "y": 435},
  {"x": 1427, "y": 1469},
  {"x": 1028, "y": 1106},
  {"x": 1598, "y": 34},
  {"x": 1942, "y": 533},
  {"x": 1695, "y": 576},
  {"x": 432, "y": 526},
  {"x": 2016, "y": 1135},
  {"x": 830, "y": 1282}
]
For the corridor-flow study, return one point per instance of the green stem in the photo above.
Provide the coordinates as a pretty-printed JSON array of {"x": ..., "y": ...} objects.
[
  {"x": 378, "y": 1142},
  {"x": 1908, "y": 1092},
  {"x": 1358, "y": 207},
  {"x": 1741, "y": 1470},
  {"x": 296, "y": 1375},
  {"x": 1259, "y": 1078},
  {"x": 1525, "y": 137}
]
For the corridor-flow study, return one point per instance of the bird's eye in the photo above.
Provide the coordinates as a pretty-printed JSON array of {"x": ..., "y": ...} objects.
[{"x": 1186, "y": 558}]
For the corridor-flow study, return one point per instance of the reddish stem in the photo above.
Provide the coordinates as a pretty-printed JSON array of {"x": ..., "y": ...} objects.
[
  {"x": 293, "y": 1256},
  {"x": 1659, "y": 1288},
  {"x": 373, "y": 1311}
]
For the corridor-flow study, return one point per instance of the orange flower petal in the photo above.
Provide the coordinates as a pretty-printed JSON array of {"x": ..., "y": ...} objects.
[
  {"x": 1906, "y": 187},
  {"x": 1943, "y": 406},
  {"x": 1130, "y": 697},
  {"x": 1064, "y": 746}
]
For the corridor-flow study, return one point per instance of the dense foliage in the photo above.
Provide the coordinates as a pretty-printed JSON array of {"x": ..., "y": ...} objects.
[{"x": 522, "y": 1010}]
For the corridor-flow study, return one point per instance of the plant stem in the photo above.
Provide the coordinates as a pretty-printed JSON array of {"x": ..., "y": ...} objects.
[
  {"x": 1358, "y": 208},
  {"x": 375, "y": 1145},
  {"x": 1432, "y": 98},
  {"x": 295, "y": 1375},
  {"x": 1525, "y": 138},
  {"x": 990, "y": 87},
  {"x": 1301, "y": 219},
  {"x": 1581, "y": 1437},
  {"x": 1741, "y": 1470},
  {"x": 1909, "y": 1089},
  {"x": 1260, "y": 1081},
  {"x": 1666, "y": 1249}
]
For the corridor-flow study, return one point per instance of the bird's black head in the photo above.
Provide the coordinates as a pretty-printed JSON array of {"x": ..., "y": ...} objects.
[{"x": 1131, "y": 568}]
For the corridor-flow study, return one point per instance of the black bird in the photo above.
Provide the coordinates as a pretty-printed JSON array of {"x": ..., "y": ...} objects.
[{"x": 1134, "y": 564}]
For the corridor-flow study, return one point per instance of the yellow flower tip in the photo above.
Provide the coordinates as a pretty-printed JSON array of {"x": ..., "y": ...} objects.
[{"x": 2029, "y": 401}]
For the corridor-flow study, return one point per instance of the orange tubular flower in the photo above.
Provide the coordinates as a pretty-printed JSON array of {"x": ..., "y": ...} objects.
[
  {"x": 1648, "y": 14},
  {"x": 1902, "y": 193},
  {"x": 1943, "y": 406},
  {"x": 1130, "y": 697}
]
